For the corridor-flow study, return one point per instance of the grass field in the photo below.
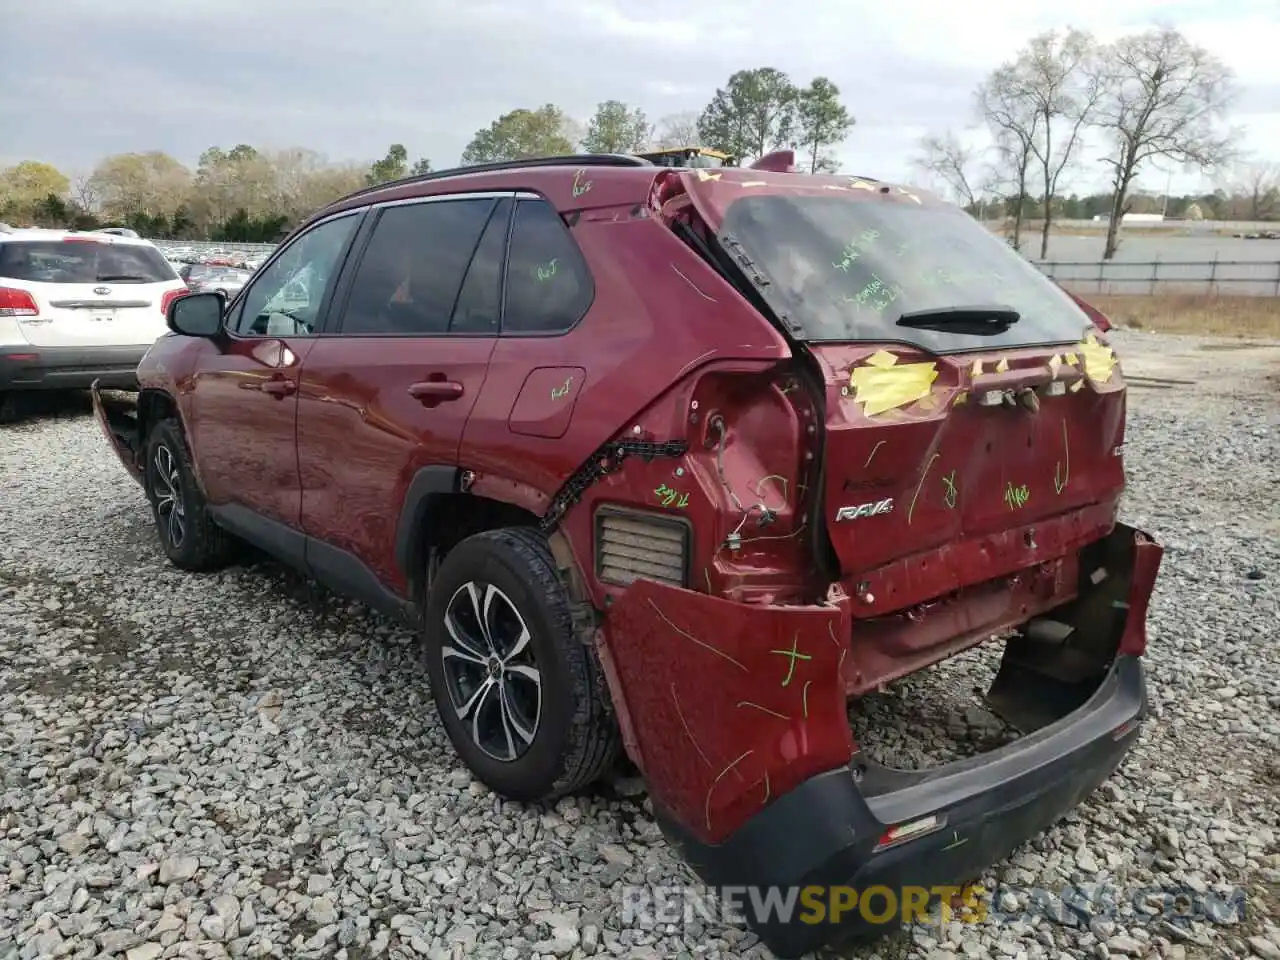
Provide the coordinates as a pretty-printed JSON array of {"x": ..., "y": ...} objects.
[{"x": 1203, "y": 314}]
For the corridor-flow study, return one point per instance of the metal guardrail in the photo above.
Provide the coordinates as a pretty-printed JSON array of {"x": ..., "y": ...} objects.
[{"x": 1240, "y": 278}]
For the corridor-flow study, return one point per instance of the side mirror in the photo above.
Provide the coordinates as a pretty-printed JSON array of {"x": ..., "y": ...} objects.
[{"x": 197, "y": 315}]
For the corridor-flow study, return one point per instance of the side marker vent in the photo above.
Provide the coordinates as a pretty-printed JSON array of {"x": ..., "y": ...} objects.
[{"x": 631, "y": 544}]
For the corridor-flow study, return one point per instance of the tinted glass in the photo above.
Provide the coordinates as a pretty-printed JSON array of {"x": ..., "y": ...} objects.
[
  {"x": 411, "y": 272},
  {"x": 286, "y": 296},
  {"x": 479, "y": 304},
  {"x": 54, "y": 261},
  {"x": 548, "y": 285},
  {"x": 849, "y": 268}
]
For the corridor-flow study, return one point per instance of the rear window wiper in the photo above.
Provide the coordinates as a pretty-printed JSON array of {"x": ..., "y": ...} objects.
[
  {"x": 124, "y": 278},
  {"x": 963, "y": 315}
]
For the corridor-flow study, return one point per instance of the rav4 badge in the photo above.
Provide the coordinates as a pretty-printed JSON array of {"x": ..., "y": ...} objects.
[{"x": 873, "y": 509}]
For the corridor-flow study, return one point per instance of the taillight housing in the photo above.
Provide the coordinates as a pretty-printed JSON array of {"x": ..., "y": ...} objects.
[
  {"x": 169, "y": 297},
  {"x": 17, "y": 303}
]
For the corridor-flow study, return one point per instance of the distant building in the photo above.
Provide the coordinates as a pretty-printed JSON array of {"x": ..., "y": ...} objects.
[{"x": 1133, "y": 218}]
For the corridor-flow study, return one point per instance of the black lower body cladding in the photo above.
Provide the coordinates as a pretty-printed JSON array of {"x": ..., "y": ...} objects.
[
  {"x": 827, "y": 833},
  {"x": 69, "y": 368}
]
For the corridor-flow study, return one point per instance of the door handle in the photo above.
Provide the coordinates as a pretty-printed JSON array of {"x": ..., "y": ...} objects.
[
  {"x": 431, "y": 392},
  {"x": 280, "y": 388}
]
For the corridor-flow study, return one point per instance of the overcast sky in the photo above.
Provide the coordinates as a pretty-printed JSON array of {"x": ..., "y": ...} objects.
[{"x": 83, "y": 78}]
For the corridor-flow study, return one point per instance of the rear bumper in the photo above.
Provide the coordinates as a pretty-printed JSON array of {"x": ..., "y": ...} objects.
[
  {"x": 737, "y": 716},
  {"x": 70, "y": 368},
  {"x": 823, "y": 835},
  {"x": 119, "y": 424}
]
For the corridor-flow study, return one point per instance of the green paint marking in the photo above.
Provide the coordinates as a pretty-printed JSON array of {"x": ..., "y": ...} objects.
[
  {"x": 559, "y": 393},
  {"x": 671, "y": 498},
  {"x": 548, "y": 270},
  {"x": 795, "y": 655},
  {"x": 756, "y": 706},
  {"x": 804, "y": 698},
  {"x": 580, "y": 183},
  {"x": 1062, "y": 470},
  {"x": 957, "y": 842},
  {"x": 876, "y": 294},
  {"x": 949, "y": 492},
  {"x": 1016, "y": 497}
]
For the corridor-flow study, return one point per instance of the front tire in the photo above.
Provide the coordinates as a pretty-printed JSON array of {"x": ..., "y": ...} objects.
[
  {"x": 188, "y": 535},
  {"x": 519, "y": 693}
]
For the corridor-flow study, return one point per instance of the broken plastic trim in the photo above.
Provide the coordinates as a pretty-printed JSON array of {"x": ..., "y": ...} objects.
[{"x": 604, "y": 461}]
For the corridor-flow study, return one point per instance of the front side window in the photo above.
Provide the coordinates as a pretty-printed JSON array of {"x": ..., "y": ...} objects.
[
  {"x": 871, "y": 269},
  {"x": 412, "y": 270},
  {"x": 286, "y": 296},
  {"x": 548, "y": 286}
]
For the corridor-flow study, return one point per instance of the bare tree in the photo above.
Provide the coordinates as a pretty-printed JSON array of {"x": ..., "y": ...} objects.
[
  {"x": 84, "y": 192},
  {"x": 944, "y": 156},
  {"x": 676, "y": 130},
  {"x": 1060, "y": 77},
  {"x": 1162, "y": 97},
  {"x": 1005, "y": 105},
  {"x": 1253, "y": 191}
]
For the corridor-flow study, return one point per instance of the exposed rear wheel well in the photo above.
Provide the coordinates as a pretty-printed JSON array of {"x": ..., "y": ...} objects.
[
  {"x": 449, "y": 518},
  {"x": 153, "y": 406}
]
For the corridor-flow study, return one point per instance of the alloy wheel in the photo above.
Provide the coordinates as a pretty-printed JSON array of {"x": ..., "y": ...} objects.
[
  {"x": 170, "y": 513},
  {"x": 493, "y": 679}
]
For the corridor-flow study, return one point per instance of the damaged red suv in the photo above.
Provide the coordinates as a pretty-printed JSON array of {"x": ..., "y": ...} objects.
[{"x": 680, "y": 461}]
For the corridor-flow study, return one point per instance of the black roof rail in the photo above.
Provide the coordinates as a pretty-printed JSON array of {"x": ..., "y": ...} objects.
[{"x": 566, "y": 160}]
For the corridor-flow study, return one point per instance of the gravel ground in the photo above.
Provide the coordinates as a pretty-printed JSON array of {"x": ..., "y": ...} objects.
[{"x": 238, "y": 764}]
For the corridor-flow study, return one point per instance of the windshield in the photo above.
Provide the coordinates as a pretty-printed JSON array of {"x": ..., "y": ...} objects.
[
  {"x": 683, "y": 158},
  {"x": 55, "y": 261},
  {"x": 705, "y": 161},
  {"x": 848, "y": 268}
]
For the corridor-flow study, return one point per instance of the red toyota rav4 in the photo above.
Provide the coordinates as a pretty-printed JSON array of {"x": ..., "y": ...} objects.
[{"x": 681, "y": 461}]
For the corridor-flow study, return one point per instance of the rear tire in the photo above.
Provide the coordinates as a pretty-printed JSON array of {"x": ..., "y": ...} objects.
[
  {"x": 188, "y": 535},
  {"x": 518, "y": 691},
  {"x": 10, "y": 407}
]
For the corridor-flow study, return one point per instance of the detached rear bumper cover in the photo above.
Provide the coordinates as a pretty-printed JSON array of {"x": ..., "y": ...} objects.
[
  {"x": 736, "y": 713},
  {"x": 116, "y": 425},
  {"x": 69, "y": 368},
  {"x": 824, "y": 833}
]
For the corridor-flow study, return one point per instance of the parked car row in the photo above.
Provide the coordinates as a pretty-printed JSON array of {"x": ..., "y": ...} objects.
[
  {"x": 179, "y": 252},
  {"x": 212, "y": 277}
]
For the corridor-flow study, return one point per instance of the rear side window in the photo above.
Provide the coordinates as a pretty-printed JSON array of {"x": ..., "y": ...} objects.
[
  {"x": 479, "y": 306},
  {"x": 411, "y": 273},
  {"x": 548, "y": 286},
  {"x": 83, "y": 261}
]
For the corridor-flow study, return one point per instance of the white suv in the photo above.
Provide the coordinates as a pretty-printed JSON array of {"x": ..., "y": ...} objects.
[{"x": 77, "y": 307}]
